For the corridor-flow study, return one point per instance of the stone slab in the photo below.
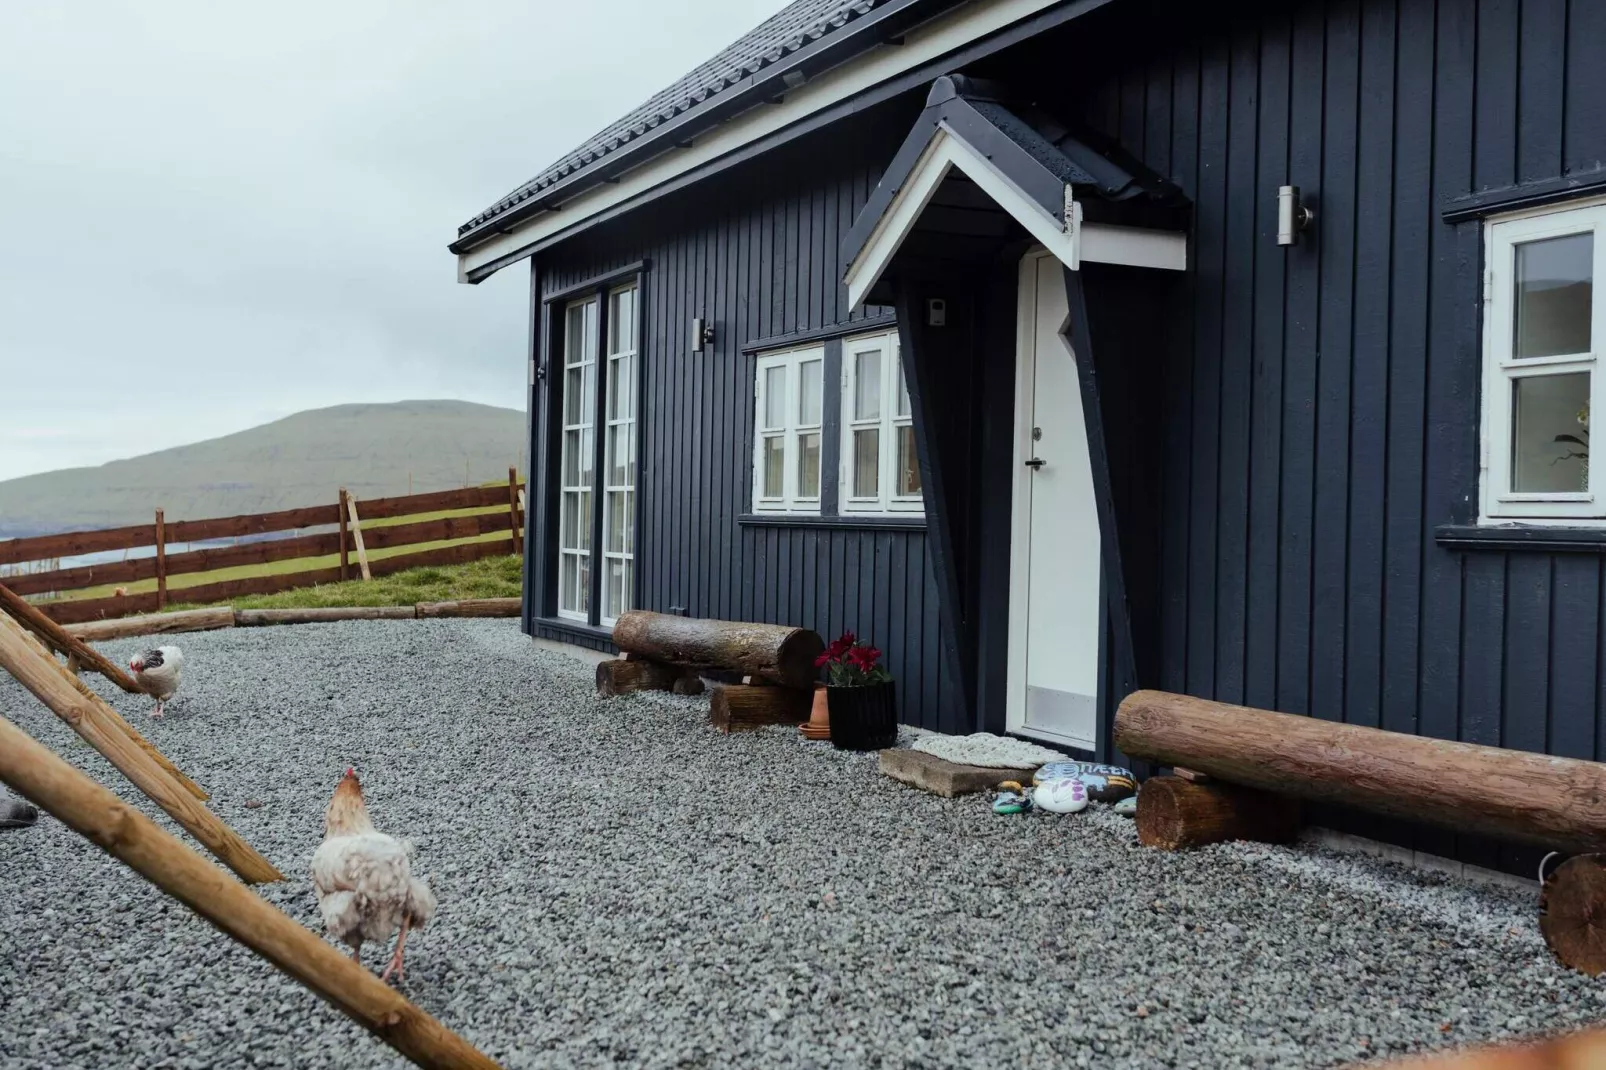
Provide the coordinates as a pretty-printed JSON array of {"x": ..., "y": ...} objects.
[{"x": 948, "y": 779}]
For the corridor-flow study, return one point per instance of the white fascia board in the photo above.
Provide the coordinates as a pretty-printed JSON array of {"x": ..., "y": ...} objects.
[
  {"x": 944, "y": 152},
  {"x": 921, "y": 45},
  {"x": 1110, "y": 243}
]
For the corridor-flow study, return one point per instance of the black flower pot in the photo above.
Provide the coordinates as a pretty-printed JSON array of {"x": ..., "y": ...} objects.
[{"x": 863, "y": 718}]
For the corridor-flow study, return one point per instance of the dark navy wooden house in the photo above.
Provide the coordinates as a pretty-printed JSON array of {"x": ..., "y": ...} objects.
[{"x": 988, "y": 331}]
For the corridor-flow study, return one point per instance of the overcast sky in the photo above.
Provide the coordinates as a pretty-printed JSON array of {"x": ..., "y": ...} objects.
[{"x": 213, "y": 215}]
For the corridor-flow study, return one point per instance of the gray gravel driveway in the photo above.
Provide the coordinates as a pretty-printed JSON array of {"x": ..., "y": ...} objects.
[{"x": 619, "y": 885}]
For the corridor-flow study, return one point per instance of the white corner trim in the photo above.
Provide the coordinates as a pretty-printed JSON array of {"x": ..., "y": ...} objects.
[
  {"x": 945, "y": 152},
  {"x": 1069, "y": 240},
  {"x": 921, "y": 45}
]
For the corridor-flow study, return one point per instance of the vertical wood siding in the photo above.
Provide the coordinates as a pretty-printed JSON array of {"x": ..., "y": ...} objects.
[
  {"x": 757, "y": 254},
  {"x": 1321, "y": 418}
]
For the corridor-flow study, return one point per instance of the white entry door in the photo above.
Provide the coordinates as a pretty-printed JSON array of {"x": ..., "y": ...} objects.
[{"x": 1054, "y": 619}]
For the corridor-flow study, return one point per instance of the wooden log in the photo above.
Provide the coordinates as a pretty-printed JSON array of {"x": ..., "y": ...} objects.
[
  {"x": 62, "y": 641},
  {"x": 618, "y": 677},
  {"x": 161, "y": 562},
  {"x": 184, "y": 620},
  {"x": 127, "y": 729},
  {"x": 1174, "y": 814},
  {"x": 32, "y": 771},
  {"x": 259, "y": 618},
  {"x": 1579, "y": 1051},
  {"x": 99, "y": 726},
  {"x": 1559, "y": 803},
  {"x": 1572, "y": 913},
  {"x": 470, "y": 607},
  {"x": 737, "y": 707},
  {"x": 356, "y": 536},
  {"x": 773, "y": 651}
]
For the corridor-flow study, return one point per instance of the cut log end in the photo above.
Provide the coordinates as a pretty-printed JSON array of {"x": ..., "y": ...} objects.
[
  {"x": 618, "y": 677},
  {"x": 1572, "y": 913},
  {"x": 1174, "y": 814},
  {"x": 737, "y": 707}
]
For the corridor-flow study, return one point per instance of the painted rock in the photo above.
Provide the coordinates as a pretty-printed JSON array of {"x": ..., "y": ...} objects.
[
  {"x": 1105, "y": 783},
  {"x": 1012, "y": 802},
  {"x": 1066, "y": 796},
  {"x": 1127, "y": 807}
]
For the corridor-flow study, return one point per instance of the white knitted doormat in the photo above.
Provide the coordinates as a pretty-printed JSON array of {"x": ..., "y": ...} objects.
[{"x": 987, "y": 750}]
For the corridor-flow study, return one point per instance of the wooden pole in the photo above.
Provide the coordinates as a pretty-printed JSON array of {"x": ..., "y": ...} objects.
[
  {"x": 161, "y": 562},
  {"x": 1572, "y": 913},
  {"x": 735, "y": 707},
  {"x": 356, "y": 535},
  {"x": 123, "y": 832},
  {"x": 345, "y": 556},
  {"x": 181, "y": 620},
  {"x": 101, "y": 728},
  {"x": 513, "y": 508},
  {"x": 63, "y": 641},
  {"x": 1174, "y": 813},
  {"x": 1558, "y": 803},
  {"x": 772, "y": 651},
  {"x": 1577, "y": 1051},
  {"x": 139, "y": 741}
]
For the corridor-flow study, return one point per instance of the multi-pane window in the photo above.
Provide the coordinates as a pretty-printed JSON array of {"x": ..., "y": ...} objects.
[
  {"x": 575, "y": 465},
  {"x": 597, "y": 403},
  {"x": 1543, "y": 338},
  {"x": 619, "y": 469},
  {"x": 789, "y": 388},
  {"x": 880, "y": 468}
]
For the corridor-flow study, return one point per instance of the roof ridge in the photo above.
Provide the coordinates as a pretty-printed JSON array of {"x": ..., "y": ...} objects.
[{"x": 796, "y": 26}]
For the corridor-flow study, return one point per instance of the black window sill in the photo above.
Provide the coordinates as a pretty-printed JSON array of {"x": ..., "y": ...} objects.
[
  {"x": 547, "y": 626},
  {"x": 1520, "y": 537},
  {"x": 839, "y": 523}
]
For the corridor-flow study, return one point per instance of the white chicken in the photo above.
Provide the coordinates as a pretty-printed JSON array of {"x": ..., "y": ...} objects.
[
  {"x": 364, "y": 882},
  {"x": 157, "y": 671}
]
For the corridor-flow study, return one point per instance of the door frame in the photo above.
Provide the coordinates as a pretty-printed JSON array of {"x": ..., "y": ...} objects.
[{"x": 1028, "y": 280}]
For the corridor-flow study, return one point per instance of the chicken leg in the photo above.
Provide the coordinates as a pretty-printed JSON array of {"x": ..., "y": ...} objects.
[
  {"x": 157, "y": 712},
  {"x": 396, "y": 959}
]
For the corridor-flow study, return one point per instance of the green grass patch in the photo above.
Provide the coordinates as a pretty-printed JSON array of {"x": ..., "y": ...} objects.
[{"x": 489, "y": 577}]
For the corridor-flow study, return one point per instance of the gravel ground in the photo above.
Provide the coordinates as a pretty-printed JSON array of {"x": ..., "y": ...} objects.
[{"x": 619, "y": 885}]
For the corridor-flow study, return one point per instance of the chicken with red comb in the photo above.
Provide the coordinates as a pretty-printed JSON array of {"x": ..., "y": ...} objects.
[{"x": 364, "y": 879}]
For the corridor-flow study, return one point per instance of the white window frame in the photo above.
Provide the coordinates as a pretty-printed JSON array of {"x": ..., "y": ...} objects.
[
  {"x": 623, "y": 386},
  {"x": 1498, "y": 503},
  {"x": 884, "y": 502},
  {"x": 790, "y": 432},
  {"x": 584, "y": 490}
]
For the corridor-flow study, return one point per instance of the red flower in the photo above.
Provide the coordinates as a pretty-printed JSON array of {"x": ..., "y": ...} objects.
[
  {"x": 823, "y": 660},
  {"x": 863, "y": 658}
]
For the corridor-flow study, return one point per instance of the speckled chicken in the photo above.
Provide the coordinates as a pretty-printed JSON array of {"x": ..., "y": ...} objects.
[
  {"x": 364, "y": 881},
  {"x": 157, "y": 671}
]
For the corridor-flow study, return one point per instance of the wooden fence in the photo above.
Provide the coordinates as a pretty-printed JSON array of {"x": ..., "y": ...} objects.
[{"x": 356, "y": 535}]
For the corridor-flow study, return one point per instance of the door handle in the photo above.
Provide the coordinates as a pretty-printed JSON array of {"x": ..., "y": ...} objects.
[{"x": 1035, "y": 462}]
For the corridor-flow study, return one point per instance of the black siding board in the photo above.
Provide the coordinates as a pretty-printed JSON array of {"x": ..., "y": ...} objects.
[
  {"x": 1542, "y": 85},
  {"x": 1497, "y": 88},
  {"x": 1264, "y": 542},
  {"x": 1584, "y": 110},
  {"x": 1574, "y": 662}
]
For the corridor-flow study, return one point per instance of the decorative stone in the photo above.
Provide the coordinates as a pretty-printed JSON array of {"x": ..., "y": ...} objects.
[
  {"x": 1105, "y": 783},
  {"x": 1127, "y": 807},
  {"x": 1064, "y": 796},
  {"x": 1012, "y": 802}
]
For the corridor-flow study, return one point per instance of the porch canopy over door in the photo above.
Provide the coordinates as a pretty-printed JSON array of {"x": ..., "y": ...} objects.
[
  {"x": 972, "y": 155},
  {"x": 981, "y": 178}
]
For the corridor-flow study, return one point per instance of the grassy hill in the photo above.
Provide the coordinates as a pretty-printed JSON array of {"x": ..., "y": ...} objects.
[{"x": 304, "y": 459}]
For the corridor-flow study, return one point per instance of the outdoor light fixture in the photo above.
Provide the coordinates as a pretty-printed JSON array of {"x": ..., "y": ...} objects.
[
  {"x": 702, "y": 334},
  {"x": 1292, "y": 216}
]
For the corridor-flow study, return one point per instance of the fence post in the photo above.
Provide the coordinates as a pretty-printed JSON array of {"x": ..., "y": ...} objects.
[
  {"x": 345, "y": 538},
  {"x": 513, "y": 507},
  {"x": 161, "y": 562}
]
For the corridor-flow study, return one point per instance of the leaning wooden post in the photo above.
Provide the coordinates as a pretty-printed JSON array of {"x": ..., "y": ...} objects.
[
  {"x": 161, "y": 562},
  {"x": 62, "y": 641},
  {"x": 345, "y": 537},
  {"x": 88, "y": 715},
  {"x": 139, "y": 741},
  {"x": 513, "y": 508},
  {"x": 123, "y": 832},
  {"x": 356, "y": 535}
]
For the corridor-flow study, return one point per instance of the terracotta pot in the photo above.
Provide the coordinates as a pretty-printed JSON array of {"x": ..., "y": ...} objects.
[{"x": 819, "y": 722}]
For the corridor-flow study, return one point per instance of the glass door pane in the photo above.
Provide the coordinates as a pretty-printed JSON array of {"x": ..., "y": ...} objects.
[
  {"x": 619, "y": 469},
  {"x": 576, "y": 465}
]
